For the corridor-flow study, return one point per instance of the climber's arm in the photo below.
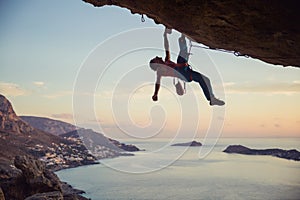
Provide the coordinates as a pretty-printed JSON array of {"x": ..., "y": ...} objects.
[
  {"x": 167, "y": 56},
  {"x": 157, "y": 86},
  {"x": 167, "y": 48}
]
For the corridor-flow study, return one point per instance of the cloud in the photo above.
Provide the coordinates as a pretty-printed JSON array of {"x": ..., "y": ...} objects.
[
  {"x": 277, "y": 125},
  {"x": 296, "y": 82},
  {"x": 12, "y": 89},
  {"x": 269, "y": 88},
  {"x": 62, "y": 116},
  {"x": 262, "y": 125},
  {"x": 39, "y": 83},
  {"x": 228, "y": 84},
  {"x": 58, "y": 94}
]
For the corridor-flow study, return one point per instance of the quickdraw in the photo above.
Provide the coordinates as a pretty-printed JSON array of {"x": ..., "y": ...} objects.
[
  {"x": 236, "y": 53},
  {"x": 142, "y": 18}
]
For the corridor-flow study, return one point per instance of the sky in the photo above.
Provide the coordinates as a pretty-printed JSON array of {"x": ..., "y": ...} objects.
[{"x": 70, "y": 61}]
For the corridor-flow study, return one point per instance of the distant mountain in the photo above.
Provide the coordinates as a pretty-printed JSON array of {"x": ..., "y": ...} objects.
[
  {"x": 52, "y": 126},
  {"x": 98, "y": 144}
]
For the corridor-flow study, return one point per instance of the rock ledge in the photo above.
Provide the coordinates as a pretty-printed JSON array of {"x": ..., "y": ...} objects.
[{"x": 266, "y": 30}]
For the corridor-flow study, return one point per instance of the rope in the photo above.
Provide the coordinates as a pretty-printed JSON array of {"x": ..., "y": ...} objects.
[{"x": 236, "y": 53}]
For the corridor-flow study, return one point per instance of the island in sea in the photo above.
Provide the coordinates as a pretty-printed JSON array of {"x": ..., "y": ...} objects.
[
  {"x": 292, "y": 154},
  {"x": 190, "y": 144}
]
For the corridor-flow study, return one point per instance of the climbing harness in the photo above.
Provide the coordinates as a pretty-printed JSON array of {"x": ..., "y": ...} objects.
[
  {"x": 236, "y": 53},
  {"x": 142, "y": 18},
  {"x": 186, "y": 77}
]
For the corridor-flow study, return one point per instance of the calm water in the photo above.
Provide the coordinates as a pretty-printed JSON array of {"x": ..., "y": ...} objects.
[{"x": 158, "y": 173}]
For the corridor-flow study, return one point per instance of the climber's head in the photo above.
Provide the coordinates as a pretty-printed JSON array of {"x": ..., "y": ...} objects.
[{"x": 156, "y": 62}]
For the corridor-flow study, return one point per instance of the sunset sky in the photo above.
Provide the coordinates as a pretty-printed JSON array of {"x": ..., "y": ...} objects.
[{"x": 45, "y": 45}]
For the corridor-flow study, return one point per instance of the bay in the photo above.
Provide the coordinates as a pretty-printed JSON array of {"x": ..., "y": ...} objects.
[{"x": 166, "y": 172}]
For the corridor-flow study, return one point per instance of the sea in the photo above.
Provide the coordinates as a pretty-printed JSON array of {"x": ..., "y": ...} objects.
[{"x": 168, "y": 172}]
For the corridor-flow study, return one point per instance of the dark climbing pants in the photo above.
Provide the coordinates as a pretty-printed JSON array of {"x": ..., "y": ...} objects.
[{"x": 191, "y": 75}]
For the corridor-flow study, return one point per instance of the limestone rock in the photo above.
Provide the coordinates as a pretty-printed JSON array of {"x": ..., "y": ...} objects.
[
  {"x": 266, "y": 30},
  {"x": 9, "y": 121},
  {"x": 36, "y": 176},
  {"x": 33, "y": 178},
  {"x": 46, "y": 196},
  {"x": 1, "y": 194}
]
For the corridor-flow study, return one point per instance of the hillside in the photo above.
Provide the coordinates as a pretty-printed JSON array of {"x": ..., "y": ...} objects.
[
  {"x": 17, "y": 137},
  {"x": 48, "y": 125},
  {"x": 30, "y": 155},
  {"x": 98, "y": 144}
]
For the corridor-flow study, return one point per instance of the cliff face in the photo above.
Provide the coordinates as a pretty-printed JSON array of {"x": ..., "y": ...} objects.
[
  {"x": 34, "y": 181},
  {"x": 266, "y": 30},
  {"x": 9, "y": 120},
  {"x": 33, "y": 178}
]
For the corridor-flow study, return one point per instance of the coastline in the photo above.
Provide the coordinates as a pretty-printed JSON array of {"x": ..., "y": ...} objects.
[{"x": 102, "y": 182}]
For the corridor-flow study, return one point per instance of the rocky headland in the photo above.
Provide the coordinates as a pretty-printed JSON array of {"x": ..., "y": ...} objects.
[
  {"x": 280, "y": 153},
  {"x": 125, "y": 147}
]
